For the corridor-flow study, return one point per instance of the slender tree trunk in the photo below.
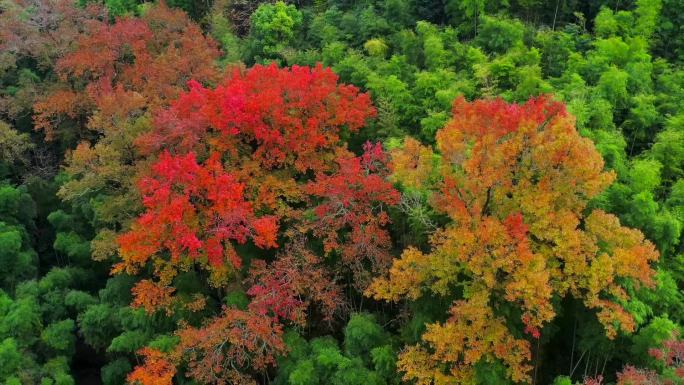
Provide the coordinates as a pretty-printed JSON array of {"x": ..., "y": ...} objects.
[
  {"x": 474, "y": 36},
  {"x": 586, "y": 365},
  {"x": 555, "y": 14},
  {"x": 536, "y": 362},
  {"x": 577, "y": 364},
  {"x": 572, "y": 352}
]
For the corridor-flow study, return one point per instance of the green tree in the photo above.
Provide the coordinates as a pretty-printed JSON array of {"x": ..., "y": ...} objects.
[
  {"x": 60, "y": 336},
  {"x": 273, "y": 27}
]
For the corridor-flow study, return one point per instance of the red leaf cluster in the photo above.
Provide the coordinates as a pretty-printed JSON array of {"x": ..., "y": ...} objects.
[
  {"x": 194, "y": 210},
  {"x": 292, "y": 116}
]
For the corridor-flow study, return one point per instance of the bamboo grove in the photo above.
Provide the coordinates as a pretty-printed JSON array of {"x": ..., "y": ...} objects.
[{"x": 447, "y": 192}]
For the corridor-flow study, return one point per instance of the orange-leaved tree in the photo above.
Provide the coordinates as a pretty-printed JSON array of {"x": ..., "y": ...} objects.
[
  {"x": 514, "y": 181},
  {"x": 114, "y": 67},
  {"x": 252, "y": 185}
]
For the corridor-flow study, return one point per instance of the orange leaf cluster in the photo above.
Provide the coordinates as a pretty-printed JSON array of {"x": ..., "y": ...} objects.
[
  {"x": 157, "y": 370},
  {"x": 151, "y": 296}
]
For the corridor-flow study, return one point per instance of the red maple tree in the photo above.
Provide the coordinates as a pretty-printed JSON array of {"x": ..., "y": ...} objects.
[{"x": 258, "y": 161}]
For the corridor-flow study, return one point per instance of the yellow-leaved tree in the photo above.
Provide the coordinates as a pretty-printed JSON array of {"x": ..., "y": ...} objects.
[{"x": 514, "y": 181}]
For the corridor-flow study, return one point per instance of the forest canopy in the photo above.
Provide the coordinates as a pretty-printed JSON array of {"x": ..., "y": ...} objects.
[{"x": 383, "y": 192}]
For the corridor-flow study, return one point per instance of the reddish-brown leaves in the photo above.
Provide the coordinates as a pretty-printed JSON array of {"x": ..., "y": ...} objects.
[
  {"x": 152, "y": 56},
  {"x": 111, "y": 80},
  {"x": 221, "y": 352},
  {"x": 354, "y": 199},
  {"x": 287, "y": 287},
  {"x": 229, "y": 345}
]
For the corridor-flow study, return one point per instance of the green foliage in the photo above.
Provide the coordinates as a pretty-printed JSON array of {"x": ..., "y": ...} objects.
[
  {"x": 163, "y": 343},
  {"x": 237, "y": 299},
  {"x": 22, "y": 321},
  {"x": 62, "y": 378},
  {"x": 644, "y": 175},
  {"x": 668, "y": 149},
  {"x": 362, "y": 334},
  {"x": 14, "y": 146},
  {"x": 17, "y": 259},
  {"x": 127, "y": 342},
  {"x": 73, "y": 246},
  {"x": 10, "y": 358},
  {"x": 384, "y": 361},
  {"x": 562, "y": 380},
  {"x": 115, "y": 372},
  {"x": 612, "y": 85},
  {"x": 121, "y": 7},
  {"x": 99, "y": 324},
  {"x": 367, "y": 357},
  {"x": 273, "y": 27},
  {"x": 376, "y": 48},
  {"x": 16, "y": 206},
  {"x": 497, "y": 35},
  {"x": 60, "y": 336},
  {"x": 669, "y": 41},
  {"x": 221, "y": 30},
  {"x": 79, "y": 300},
  {"x": 491, "y": 373},
  {"x": 117, "y": 291}
]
